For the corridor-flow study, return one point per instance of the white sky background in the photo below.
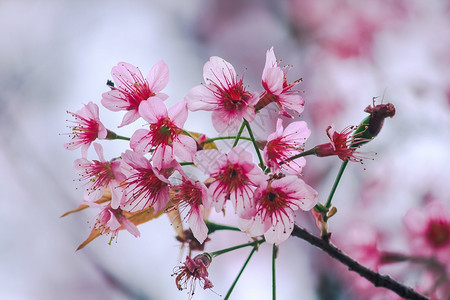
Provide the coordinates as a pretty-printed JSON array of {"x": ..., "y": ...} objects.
[{"x": 57, "y": 55}]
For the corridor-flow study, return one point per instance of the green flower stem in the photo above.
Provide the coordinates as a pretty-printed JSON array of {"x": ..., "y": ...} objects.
[
  {"x": 335, "y": 185},
  {"x": 220, "y": 252},
  {"x": 213, "y": 227},
  {"x": 111, "y": 135},
  {"x": 227, "y": 138},
  {"x": 274, "y": 257},
  {"x": 304, "y": 153},
  {"x": 239, "y": 134},
  {"x": 258, "y": 153},
  {"x": 188, "y": 134},
  {"x": 186, "y": 163},
  {"x": 240, "y": 273}
]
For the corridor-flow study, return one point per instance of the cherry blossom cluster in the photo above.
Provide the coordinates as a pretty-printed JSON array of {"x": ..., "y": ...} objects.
[{"x": 262, "y": 180}]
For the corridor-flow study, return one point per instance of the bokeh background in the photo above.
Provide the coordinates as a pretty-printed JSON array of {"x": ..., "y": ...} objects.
[{"x": 57, "y": 55}]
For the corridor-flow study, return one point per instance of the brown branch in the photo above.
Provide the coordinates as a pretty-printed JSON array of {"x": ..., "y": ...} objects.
[{"x": 377, "y": 279}]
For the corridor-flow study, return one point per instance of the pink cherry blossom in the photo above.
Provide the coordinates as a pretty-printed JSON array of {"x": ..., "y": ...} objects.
[
  {"x": 192, "y": 270},
  {"x": 101, "y": 174},
  {"x": 145, "y": 186},
  {"x": 235, "y": 177},
  {"x": 429, "y": 230},
  {"x": 87, "y": 128},
  {"x": 277, "y": 89},
  {"x": 341, "y": 144},
  {"x": 132, "y": 89},
  {"x": 165, "y": 133},
  {"x": 111, "y": 220},
  {"x": 223, "y": 94},
  {"x": 276, "y": 203},
  {"x": 283, "y": 144},
  {"x": 192, "y": 196}
]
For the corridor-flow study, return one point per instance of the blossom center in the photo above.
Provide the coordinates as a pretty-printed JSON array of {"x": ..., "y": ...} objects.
[
  {"x": 163, "y": 132},
  {"x": 438, "y": 233},
  {"x": 234, "y": 98},
  {"x": 273, "y": 200},
  {"x": 232, "y": 178},
  {"x": 145, "y": 185},
  {"x": 187, "y": 192},
  {"x": 135, "y": 92}
]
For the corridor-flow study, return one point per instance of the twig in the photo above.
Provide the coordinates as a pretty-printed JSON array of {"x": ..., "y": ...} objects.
[{"x": 377, "y": 279}]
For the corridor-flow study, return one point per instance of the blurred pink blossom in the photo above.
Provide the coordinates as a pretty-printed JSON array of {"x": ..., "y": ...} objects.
[{"x": 429, "y": 230}]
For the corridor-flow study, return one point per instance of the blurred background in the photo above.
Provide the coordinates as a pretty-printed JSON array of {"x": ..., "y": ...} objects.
[{"x": 57, "y": 55}]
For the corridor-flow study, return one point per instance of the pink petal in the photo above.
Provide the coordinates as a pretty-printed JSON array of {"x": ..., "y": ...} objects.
[
  {"x": 273, "y": 79},
  {"x": 294, "y": 102},
  {"x": 99, "y": 150},
  {"x": 218, "y": 70},
  {"x": 271, "y": 61},
  {"x": 162, "y": 156},
  {"x": 209, "y": 161},
  {"x": 416, "y": 221},
  {"x": 158, "y": 77},
  {"x": 217, "y": 196},
  {"x": 298, "y": 131},
  {"x": 141, "y": 141},
  {"x": 113, "y": 223},
  {"x": 102, "y": 131},
  {"x": 153, "y": 110},
  {"x": 178, "y": 113},
  {"x": 226, "y": 121},
  {"x": 112, "y": 100},
  {"x": 163, "y": 199},
  {"x": 185, "y": 147},
  {"x": 125, "y": 74},
  {"x": 90, "y": 111},
  {"x": 280, "y": 231},
  {"x": 116, "y": 193},
  {"x": 135, "y": 160},
  {"x": 201, "y": 98},
  {"x": 130, "y": 117},
  {"x": 130, "y": 227},
  {"x": 197, "y": 225}
]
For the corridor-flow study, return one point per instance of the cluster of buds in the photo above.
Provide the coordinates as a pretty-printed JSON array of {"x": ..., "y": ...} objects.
[{"x": 149, "y": 178}]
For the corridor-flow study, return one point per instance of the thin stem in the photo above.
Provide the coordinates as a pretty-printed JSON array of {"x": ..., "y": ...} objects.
[
  {"x": 336, "y": 183},
  {"x": 119, "y": 137},
  {"x": 220, "y": 252},
  {"x": 274, "y": 257},
  {"x": 189, "y": 134},
  {"x": 258, "y": 153},
  {"x": 377, "y": 279},
  {"x": 240, "y": 273},
  {"x": 226, "y": 138},
  {"x": 239, "y": 134},
  {"x": 304, "y": 153},
  {"x": 213, "y": 227},
  {"x": 111, "y": 135},
  {"x": 186, "y": 163}
]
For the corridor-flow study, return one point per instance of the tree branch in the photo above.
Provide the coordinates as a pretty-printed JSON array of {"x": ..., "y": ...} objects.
[{"x": 377, "y": 279}]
